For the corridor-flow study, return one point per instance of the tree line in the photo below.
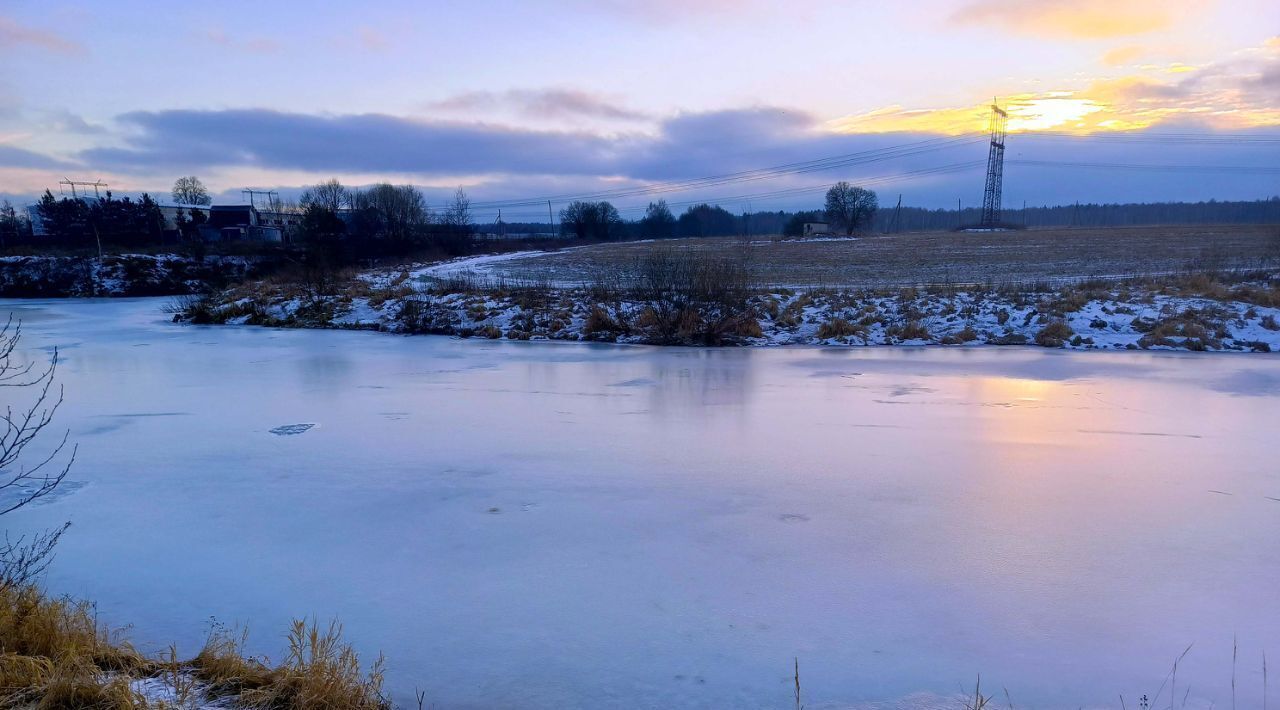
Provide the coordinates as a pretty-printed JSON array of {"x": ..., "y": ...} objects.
[
  {"x": 381, "y": 220},
  {"x": 345, "y": 223},
  {"x": 395, "y": 220},
  {"x": 848, "y": 208}
]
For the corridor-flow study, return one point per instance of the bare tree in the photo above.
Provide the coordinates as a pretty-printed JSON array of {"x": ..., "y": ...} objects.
[
  {"x": 190, "y": 191},
  {"x": 394, "y": 212},
  {"x": 850, "y": 208},
  {"x": 592, "y": 220},
  {"x": 330, "y": 195},
  {"x": 455, "y": 229},
  {"x": 24, "y": 559},
  {"x": 457, "y": 214}
]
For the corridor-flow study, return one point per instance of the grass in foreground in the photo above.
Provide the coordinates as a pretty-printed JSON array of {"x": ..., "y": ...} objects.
[{"x": 54, "y": 654}]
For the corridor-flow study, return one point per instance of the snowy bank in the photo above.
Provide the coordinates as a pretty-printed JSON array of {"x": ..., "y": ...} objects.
[
  {"x": 1172, "y": 312},
  {"x": 118, "y": 275}
]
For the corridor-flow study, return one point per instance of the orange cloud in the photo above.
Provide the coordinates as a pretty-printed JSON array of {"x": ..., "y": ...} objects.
[
  {"x": 1027, "y": 112},
  {"x": 1123, "y": 55},
  {"x": 1088, "y": 19},
  {"x": 1240, "y": 92}
]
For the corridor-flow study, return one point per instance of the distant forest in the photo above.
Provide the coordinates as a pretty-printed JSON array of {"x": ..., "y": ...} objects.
[
  {"x": 914, "y": 219},
  {"x": 702, "y": 220}
]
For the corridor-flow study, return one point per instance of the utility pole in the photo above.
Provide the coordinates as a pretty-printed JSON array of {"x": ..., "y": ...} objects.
[
  {"x": 72, "y": 184},
  {"x": 992, "y": 196},
  {"x": 552, "y": 219},
  {"x": 896, "y": 226},
  {"x": 272, "y": 197}
]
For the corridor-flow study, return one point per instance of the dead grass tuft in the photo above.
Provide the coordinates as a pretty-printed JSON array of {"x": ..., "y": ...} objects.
[
  {"x": 55, "y": 656},
  {"x": 600, "y": 323},
  {"x": 840, "y": 328},
  {"x": 911, "y": 330},
  {"x": 1054, "y": 335}
]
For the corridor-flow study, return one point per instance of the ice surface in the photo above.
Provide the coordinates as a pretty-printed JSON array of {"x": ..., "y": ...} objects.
[
  {"x": 292, "y": 429},
  {"x": 674, "y": 526}
]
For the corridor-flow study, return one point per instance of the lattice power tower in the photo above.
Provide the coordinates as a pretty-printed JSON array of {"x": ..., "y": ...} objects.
[{"x": 991, "y": 199}]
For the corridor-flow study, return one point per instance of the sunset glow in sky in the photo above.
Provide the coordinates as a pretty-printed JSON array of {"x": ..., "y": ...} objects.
[{"x": 515, "y": 99}]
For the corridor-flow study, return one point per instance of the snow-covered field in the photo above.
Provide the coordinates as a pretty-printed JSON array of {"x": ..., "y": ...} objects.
[
  {"x": 577, "y": 525},
  {"x": 921, "y": 258}
]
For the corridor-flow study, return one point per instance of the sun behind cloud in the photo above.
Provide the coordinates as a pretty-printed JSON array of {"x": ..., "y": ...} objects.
[{"x": 1088, "y": 19}]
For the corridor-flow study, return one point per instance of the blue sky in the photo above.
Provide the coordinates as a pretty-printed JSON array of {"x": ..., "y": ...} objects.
[{"x": 514, "y": 99}]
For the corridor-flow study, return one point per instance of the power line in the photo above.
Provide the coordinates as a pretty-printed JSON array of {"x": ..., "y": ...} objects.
[
  {"x": 1241, "y": 169},
  {"x": 809, "y": 189},
  {"x": 1185, "y": 138},
  {"x": 895, "y": 152},
  {"x": 820, "y": 164}
]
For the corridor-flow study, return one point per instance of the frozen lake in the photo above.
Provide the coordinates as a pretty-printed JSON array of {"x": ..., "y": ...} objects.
[{"x": 525, "y": 525}]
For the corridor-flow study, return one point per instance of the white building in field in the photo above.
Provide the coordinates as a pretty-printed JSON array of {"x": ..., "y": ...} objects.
[{"x": 815, "y": 229}]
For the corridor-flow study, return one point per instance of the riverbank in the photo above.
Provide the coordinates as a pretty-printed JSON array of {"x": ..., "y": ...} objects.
[
  {"x": 58, "y": 655},
  {"x": 119, "y": 275},
  {"x": 433, "y": 493},
  {"x": 1227, "y": 312}
]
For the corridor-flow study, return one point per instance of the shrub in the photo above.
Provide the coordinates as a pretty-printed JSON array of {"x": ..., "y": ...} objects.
[
  {"x": 1269, "y": 322},
  {"x": 911, "y": 330},
  {"x": 1008, "y": 338},
  {"x": 694, "y": 296},
  {"x": 840, "y": 328},
  {"x": 1054, "y": 335},
  {"x": 419, "y": 316},
  {"x": 1191, "y": 329},
  {"x": 599, "y": 322}
]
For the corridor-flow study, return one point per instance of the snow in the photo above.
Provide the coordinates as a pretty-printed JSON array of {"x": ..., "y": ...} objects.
[
  {"x": 164, "y": 692},
  {"x": 475, "y": 265},
  {"x": 577, "y": 525}
]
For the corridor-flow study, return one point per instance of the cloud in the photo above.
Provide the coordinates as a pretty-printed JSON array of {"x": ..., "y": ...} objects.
[
  {"x": 538, "y": 103},
  {"x": 1123, "y": 55},
  {"x": 687, "y": 145},
  {"x": 15, "y": 36},
  {"x": 1088, "y": 19},
  {"x": 67, "y": 122},
  {"x": 359, "y": 142},
  {"x": 1242, "y": 91},
  {"x": 253, "y": 45},
  {"x": 668, "y": 13},
  {"x": 371, "y": 39},
  {"x": 15, "y": 157}
]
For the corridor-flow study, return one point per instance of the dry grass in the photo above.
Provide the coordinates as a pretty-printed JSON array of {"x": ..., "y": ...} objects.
[
  {"x": 966, "y": 335},
  {"x": 54, "y": 655},
  {"x": 841, "y": 328},
  {"x": 1054, "y": 335},
  {"x": 911, "y": 330},
  {"x": 600, "y": 322},
  {"x": 319, "y": 672},
  {"x": 942, "y": 262}
]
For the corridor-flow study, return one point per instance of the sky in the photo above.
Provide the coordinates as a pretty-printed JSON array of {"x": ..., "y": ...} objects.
[{"x": 1109, "y": 100}]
